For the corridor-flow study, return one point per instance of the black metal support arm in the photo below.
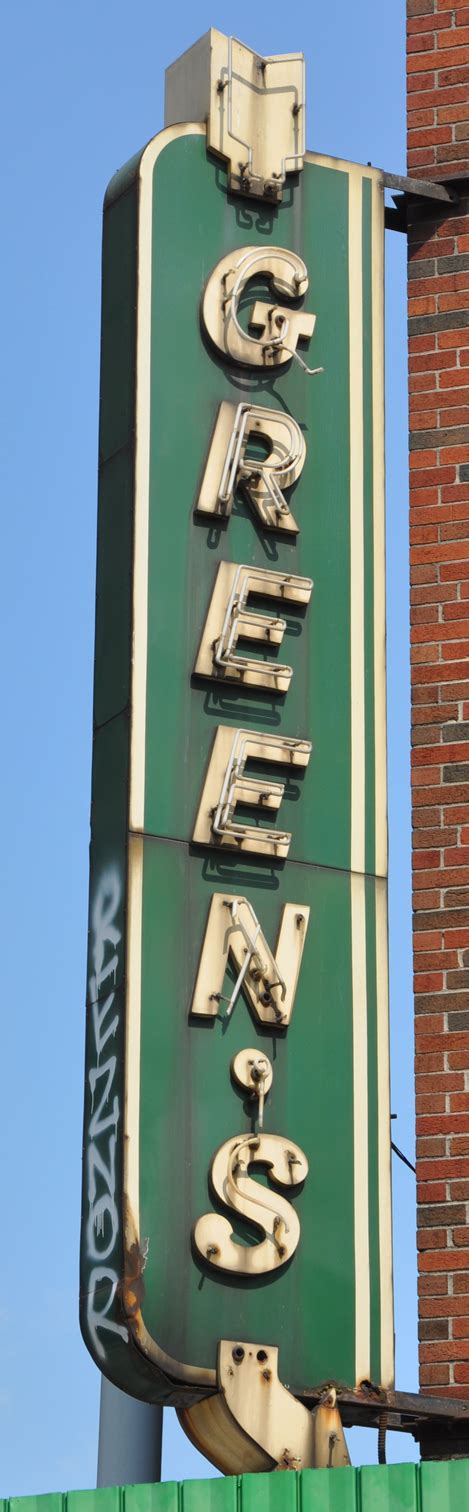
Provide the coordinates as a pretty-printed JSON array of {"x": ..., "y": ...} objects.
[
  {"x": 440, "y": 1424},
  {"x": 411, "y": 191}
]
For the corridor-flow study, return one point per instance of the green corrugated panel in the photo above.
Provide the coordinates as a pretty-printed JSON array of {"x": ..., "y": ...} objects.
[
  {"x": 210, "y": 1496},
  {"x": 110, "y": 1500},
  {"x": 278, "y": 1493},
  {"x": 162, "y": 1498},
  {"x": 445, "y": 1488},
  {"x": 54, "y": 1502},
  {"x": 376, "y": 1488},
  {"x": 323, "y": 1491},
  {"x": 395, "y": 1491}
]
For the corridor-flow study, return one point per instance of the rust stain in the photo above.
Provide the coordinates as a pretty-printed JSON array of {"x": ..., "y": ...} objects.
[{"x": 132, "y": 1286}]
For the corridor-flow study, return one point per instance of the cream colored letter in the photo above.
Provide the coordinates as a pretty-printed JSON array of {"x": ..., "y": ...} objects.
[
  {"x": 261, "y": 478},
  {"x": 268, "y": 980},
  {"x": 226, "y": 784},
  {"x": 230, "y": 618},
  {"x": 280, "y": 327}
]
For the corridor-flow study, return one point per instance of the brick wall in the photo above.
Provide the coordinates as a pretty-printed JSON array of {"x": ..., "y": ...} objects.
[
  {"x": 438, "y": 147},
  {"x": 437, "y": 88}
]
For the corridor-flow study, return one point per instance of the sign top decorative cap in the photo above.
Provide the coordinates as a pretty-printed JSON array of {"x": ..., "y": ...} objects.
[{"x": 254, "y": 108}]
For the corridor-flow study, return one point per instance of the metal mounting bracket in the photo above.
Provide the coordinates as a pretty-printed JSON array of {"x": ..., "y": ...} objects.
[
  {"x": 254, "y": 108},
  {"x": 253, "y": 1423},
  {"x": 411, "y": 189}
]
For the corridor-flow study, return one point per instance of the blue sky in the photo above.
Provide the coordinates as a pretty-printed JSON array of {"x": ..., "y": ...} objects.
[{"x": 82, "y": 91}]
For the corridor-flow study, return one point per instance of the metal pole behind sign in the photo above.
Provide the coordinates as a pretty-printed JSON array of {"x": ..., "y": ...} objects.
[{"x": 130, "y": 1434}]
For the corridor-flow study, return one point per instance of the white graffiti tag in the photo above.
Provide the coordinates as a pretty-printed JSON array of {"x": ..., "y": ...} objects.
[{"x": 103, "y": 1218}]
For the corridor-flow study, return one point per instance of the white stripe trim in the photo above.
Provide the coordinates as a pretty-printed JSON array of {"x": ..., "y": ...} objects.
[
  {"x": 139, "y": 650},
  {"x": 357, "y": 564},
  {"x": 384, "y": 1139},
  {"x": 379, "y": 548},
  {"x": 142, "y": 470},
  {"x": 357, "y": 787},
  {"x": 132, "y": 1027},
  {"x": 381, "y": 859},
  {"x": 360, "y": 1116}
]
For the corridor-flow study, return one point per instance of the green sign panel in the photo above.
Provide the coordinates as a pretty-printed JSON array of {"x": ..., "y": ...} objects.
[{"x": 237, "y": 1144}]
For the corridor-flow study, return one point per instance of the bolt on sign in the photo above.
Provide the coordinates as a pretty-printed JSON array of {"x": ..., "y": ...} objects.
[{"x": 236, "y": 1203}]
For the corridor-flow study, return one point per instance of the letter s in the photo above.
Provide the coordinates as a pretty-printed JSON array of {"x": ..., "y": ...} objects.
[{"x": 272, "y": 1214}]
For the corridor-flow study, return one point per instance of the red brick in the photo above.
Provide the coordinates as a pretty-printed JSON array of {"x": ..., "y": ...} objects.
[
  {"x": 420, "y": 81},
  {"x": 422, "y": 305},
  {"x": 442, "y": 1168},
  {"x": 460, "y": 1236},
  {"x": 458, "y": 301},
  {"x": 447, "y": 339},
  {"x": 456, "y": 648},
  {"x": 459, "y": 1059},
  {"x": 457, "y": 937},
  {"x": 424, "y": 574},
  {"x": 428, "y": 246},
  {"x": 448, "y": 378},
  {"x": 429, "y": 1064},
  {"x": 447, "y": 752},
  {"x": 423, "y": 117},
  {"x": 436, "y": 1375},
  {"x": 428, "y": 982},
  {"x": 450, "y": 551},
  {"x": 453, "y": 39},
  {"x": 446, "y": 1307},
  {"x": 442, "y": 1081},
  {"x": 455, "y": 492},
  {"x": 427, "y": 360},
  {"x": 422, "y": 860},
  {"x": 426, "y": 899},
  {"x": 453, "y": 112},
  {"x": 455, "y": 611},
  {"x": 432, "y": 1238},
  {"x": 419, "y": 137},
  {"x": 438, "y": 1350},
  {"x": 427, "y": 939},
  {"x": 462, "y": 1392},
  {"x": 432, "y": 1148},
  {"x": 453, "y": 73},
  {"x": 452, "y": 571},
  {"x": 432, "y": 1191},
  {"x": 443, "y": 1123},
  {"x": 461, "y": 1284},
  {"x": 426, "y": 21},
  {"x": 432, "y": 1286},
  {"x": 461, "y": 1326},
  {"x": 447, "y": 960},
  {"x": 461, "y": 1372},
  {"x": 425, "y": 383},
  {"x": 436, "y": 674},
  {"x": 446, "y": 631},
  {"x": 418, "y": 63},
  {"x": 443, "y": 1260},
  {"x": 426, "y": 457}
]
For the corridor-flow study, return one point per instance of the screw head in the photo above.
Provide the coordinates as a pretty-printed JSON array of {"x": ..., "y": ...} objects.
[{"x": 238, "y": 1353}]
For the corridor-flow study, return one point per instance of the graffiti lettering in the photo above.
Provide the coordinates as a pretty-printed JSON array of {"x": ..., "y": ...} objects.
[
  {"x": 101, "y": 1277},
  {"x": 103, "y": 1217}
]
